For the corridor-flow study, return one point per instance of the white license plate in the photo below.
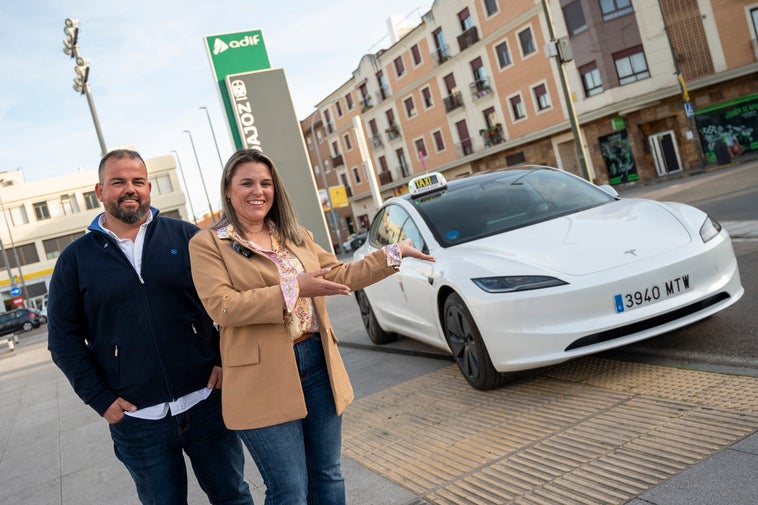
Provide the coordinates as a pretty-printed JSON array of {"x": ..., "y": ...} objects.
[{"x": 651, "y": 294}]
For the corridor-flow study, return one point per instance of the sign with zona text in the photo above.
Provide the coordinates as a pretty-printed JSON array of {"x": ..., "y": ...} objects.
[
  {"x": 265, "y": 120},
  {"x": 234, "y": 53}
]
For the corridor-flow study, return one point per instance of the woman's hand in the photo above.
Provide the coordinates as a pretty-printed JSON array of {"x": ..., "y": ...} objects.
[
  {"x": 313, "y": 284},
  {"x": 408, "y": 251}
]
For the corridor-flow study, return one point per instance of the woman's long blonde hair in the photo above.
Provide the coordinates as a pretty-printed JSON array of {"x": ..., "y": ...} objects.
[{"x": 282, "y": 212}]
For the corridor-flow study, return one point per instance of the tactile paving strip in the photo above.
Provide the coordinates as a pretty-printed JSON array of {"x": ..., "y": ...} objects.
[{"x": 590, "y": 431}]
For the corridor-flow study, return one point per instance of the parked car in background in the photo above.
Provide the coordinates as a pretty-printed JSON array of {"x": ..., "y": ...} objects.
[
  {"x": 535, "y": 266},
  {"x": 19, "y": 319},
  {"x": 42, "y": 315},
  {"x": 354, "y": 241}
]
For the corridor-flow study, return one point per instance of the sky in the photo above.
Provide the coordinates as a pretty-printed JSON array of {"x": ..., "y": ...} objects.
[{"x": 149, "y": 74}]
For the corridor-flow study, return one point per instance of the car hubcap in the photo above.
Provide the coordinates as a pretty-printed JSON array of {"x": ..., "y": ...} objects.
[{"x": 462, "y": 343}]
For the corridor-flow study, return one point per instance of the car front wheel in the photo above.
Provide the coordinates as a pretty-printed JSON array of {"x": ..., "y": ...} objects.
[
  {"x": 468, "y": 348},
  {"x": 375, "y": 332},
  {"x": 27, "y": 326}
]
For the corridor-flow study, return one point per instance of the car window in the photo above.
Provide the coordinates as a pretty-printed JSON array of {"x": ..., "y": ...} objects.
[
  {"x": 388, "y": 227},
  {"x": 495, "y": 203},
  {"x": 410, "y": 230}
]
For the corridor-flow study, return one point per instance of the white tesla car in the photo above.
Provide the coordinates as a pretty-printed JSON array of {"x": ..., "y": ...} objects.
[{"x": 536, "y": 266}]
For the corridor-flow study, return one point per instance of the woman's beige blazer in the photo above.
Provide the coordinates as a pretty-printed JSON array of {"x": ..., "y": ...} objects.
[{"x": 261, "y": 384}]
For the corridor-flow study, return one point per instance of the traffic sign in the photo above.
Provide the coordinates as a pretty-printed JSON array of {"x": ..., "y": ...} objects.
[
  {"x": 18, "y": 301},
  {"x": 15, "y": 291}
]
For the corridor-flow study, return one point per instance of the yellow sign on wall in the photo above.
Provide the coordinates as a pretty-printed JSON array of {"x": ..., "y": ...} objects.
[{"x": 338, "y": 196}]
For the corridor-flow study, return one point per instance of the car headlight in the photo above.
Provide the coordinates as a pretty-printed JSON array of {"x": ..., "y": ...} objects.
[
  {"x": 513, "y": 283},
  {"x": 710, "y": 229}
]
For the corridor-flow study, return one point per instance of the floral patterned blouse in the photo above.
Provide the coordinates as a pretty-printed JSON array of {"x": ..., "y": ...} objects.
[{"x": 300, "y": 312}]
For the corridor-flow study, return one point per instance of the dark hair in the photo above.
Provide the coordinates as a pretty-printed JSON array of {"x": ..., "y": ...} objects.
[
  {"x": 118, "y": 154},
  {"x": 282, "y": 212}
]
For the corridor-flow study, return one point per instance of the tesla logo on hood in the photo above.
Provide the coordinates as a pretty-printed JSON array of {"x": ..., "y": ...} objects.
[{"x": 633, "y": 252}]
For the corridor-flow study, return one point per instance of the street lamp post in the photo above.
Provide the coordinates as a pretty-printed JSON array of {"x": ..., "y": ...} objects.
[
  {"x": 181, "y": 172},
  {"x": 580, "y": 152},
  {"x": 214, "y": 137},
  {"x": 332, "y": 212},
  {"x": 202, "y": 178},
  {"x": 81, "y": 81}
]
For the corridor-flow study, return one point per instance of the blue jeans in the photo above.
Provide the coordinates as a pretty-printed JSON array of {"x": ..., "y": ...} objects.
[
  {"x": 300, "y": 460},
  {"x": 152, "y": 452}
]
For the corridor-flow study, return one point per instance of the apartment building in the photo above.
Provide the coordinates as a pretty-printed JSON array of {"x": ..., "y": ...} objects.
[
  {"x": 42, "y": 217},
  {"x": 657, "y": 86}
]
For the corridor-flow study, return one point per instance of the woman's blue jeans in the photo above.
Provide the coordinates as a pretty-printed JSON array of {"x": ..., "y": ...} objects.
[
  {"x": 152, "y": 452},
  {"x": 300, "y": 460}
]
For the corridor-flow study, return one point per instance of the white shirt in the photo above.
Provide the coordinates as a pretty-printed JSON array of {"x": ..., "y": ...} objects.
[{"x": 133, "y": 251}]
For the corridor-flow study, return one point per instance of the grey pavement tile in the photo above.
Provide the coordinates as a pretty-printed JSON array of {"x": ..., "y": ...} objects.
[
  {"x": 106, "y": 485},
  {"x": 367, "y": 488},
  {"x": 726, "y": 477},
  {"x": 749, "y": 444},
  {"x": 33, "y": 493},
  {"x": 87, "y": 447},
  {"x": 28, "y": 466}
]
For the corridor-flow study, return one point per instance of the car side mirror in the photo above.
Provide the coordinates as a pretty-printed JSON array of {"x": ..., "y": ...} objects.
[{"x": 609, "y": 189}]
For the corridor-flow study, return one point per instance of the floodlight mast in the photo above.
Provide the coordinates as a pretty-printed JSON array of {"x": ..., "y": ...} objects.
[{"x": 81, "y": 81}]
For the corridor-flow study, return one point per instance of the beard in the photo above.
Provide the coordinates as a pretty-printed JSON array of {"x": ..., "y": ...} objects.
[{"x": 128, "y": 216}]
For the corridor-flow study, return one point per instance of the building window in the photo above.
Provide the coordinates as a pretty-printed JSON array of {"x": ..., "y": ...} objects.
[
  {"x": 384, "y": 90},
  {"x": 541, "y": 98},
  {"x": 410, "y": 107},
  {"x": 421, "y": 148},
  {"x": 528, "y": 46},
  {"x": 426, "y": 94},
  {"x": 54, "y": 246},
  {"x": 309, "y": 140},
  {"x": 383, "y": 164},
  {"x": 574, "y": 16},
  {"x": 615, "y": 8},
  {"x": 27, "y": 254},
  {"x": 415, "y": 55},
  {"x": 754, "y": 17},
  {"x": 503, "y": 56},
  {"x": 41, "y": 211},
  {"x": 348, "y": 144},
  {"x": 162, "y": 184},
  {"x": 399, "y": 66},
  {"x": 404, "y": 170},
  {"x": 18, "y": 215},
  {"x": 356, "y": 175},
  {"x": 69, "y": 205},
  {"x": 439, "y": 143},
  {"x": 490, "y": 6},
  {"x": 517, "y": 107},
  {"x": 591, "y": 79},
  {"x": 339, "y": 108},
  {"x": 327, "y": 168},
  {"x": 319, "y": 137},
  {"x": 349, "y": 101},
  {"x": 440, "y": 54},
  {"x": 465, "y": 19},
  {"x": 631, "y": 65}
]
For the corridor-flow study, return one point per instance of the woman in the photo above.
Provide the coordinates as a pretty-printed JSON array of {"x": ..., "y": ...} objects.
[{"x": 263, "y": 279}]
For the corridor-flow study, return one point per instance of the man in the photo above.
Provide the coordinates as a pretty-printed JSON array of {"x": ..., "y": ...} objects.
[{"x": 127, "y": 328}]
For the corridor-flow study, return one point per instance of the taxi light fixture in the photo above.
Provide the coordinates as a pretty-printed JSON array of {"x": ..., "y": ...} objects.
[
  {"x": 514, "y": 283},
  {"x": 710, "y": 229}
]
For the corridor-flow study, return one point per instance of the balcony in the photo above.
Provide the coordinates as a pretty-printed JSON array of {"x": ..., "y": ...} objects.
[
  {"x": 480, "y": 88},
  {"x": 453, "y": 101},
  {"x": 440, "y": 55},
  {"x": 468, "y": 38},
  {"x": 366, "y": 103},
  {"x": 393, "y": 132},
  {"x": 493, "y": 135},
  {"x": 376, "y": 141},
  {"x": 337, "y": 161},
  {"x": 385, "y": 178}
]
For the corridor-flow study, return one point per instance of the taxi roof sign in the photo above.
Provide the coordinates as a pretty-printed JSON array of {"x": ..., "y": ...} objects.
[{"x": 425, "y": 184}]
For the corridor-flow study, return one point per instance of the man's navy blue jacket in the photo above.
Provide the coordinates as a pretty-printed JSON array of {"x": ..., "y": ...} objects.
[{"x": 145, "y": 338}]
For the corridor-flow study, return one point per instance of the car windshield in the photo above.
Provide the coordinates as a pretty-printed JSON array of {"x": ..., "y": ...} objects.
[{"x": 497, "y": 202}]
